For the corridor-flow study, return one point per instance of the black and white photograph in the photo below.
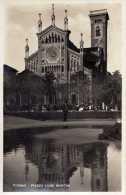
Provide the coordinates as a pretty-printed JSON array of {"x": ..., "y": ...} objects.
[{"x": 62, "y": 96}]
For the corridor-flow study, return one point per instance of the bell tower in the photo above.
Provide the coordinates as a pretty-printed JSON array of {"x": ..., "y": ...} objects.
[{"x": 99, "y": 22}]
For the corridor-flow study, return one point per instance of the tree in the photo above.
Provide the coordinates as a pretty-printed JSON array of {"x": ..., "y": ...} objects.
[
  {"x": 30, "y": 88},
  {"x": 116, "y": 89},
  {"x": 80, "y": 84},
  {"x": 109, "y": 90},
  {"x": 49, "y": 83}
]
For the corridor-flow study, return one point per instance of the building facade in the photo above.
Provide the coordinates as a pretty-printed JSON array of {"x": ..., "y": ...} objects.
[{"x": 58, "y": 54}]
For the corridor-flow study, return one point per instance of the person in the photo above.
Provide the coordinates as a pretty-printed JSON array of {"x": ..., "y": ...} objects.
[{"x": 65, "y": 111}]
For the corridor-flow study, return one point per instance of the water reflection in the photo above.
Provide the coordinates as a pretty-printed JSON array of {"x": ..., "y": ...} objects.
[{"x": 52, "y": 166}]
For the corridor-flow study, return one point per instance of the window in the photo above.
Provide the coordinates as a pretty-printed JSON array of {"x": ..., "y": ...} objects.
[
  {"x": 52, "y": 37},
  {"x": 62, "y": 60},
  {"x": 62, "y": 68},
  {"x": 62, "y": 39},
  {"x": 42, "y": 70},
  {"x": 77, "y": 65},
  {"x": 98, "y": 31},
  {"x": 43, "y": 61},
  {"x": 49, "y": 39},
  {"x": 34, "y": 65},
  {"x": 74, "y": 65},
  {"x": 46, "y": 40},
  {"x": 46, "y": 69},
  {"x": 56, "y": 38},
  {"x": 71, "y": 64}
]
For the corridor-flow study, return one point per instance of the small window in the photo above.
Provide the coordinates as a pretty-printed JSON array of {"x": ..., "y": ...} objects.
[
  {"x": 56, "y": 38},
  {"x": 98, "y": 31},
  {"x": 46, "y": 40},
  {"x": 42, "y": 69},
  {"x": 62, "y": 39},
  {"x": 46, "y": 69},
  {"x": 43, "y": 61},
  {"x": 62, "y": 68}
]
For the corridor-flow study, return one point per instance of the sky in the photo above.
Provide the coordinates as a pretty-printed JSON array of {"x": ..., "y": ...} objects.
[{"x": 21, "y": 23}]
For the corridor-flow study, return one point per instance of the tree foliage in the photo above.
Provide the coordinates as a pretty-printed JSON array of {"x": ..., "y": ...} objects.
[
  {"x": 109, "y": 90},
  {"x": 82, "y": 84},
  {"x": 30, "y": 86}
]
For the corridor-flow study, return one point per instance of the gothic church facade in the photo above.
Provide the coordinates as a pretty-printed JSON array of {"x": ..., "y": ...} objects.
[{"x": 58, "y": 54}]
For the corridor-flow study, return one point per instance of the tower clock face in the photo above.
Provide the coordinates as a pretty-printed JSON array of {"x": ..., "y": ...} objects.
[{"x": 52, "y": 53}]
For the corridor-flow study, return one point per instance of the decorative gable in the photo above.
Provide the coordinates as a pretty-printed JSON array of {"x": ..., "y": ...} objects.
[{"x": 52, "y": 32}]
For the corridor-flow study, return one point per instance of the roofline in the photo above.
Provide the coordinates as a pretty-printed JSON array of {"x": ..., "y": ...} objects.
[
  {"x": 99, "y": 12},
  {"x": 33, "y": 54},
  {"x": 11, "y": 68},
  {"x": 48, "y": 28},
  {"x": 29, "y": 71},
  {"x": 77, "y": 52}
]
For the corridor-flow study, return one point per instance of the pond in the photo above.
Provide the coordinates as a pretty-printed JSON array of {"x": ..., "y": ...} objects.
[{"x": 60, "y": 161}]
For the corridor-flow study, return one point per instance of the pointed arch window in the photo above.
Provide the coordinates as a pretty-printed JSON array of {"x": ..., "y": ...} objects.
[
  {"x": 56, "y": 38},
  {"x": 62, "y": 39},
  {"x": 71, "y": 63},
  {"x": 49, "y": 39},
  {"x": 74, "y": 65},
  {"x": 98, "y": 31},
  {"x": 42, "y": 70},
  {"x": 77, "y": 65},
  {"x": 46, "y": 40},
  {"x": 52, "y": 38},
  {"x": 62, "y": 69}
]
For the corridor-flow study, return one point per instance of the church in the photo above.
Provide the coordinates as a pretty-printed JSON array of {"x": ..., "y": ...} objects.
[{"x": 74, "y": 68}]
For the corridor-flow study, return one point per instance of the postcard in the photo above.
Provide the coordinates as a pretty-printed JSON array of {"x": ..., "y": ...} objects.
[{"x": 63, "y": 109}]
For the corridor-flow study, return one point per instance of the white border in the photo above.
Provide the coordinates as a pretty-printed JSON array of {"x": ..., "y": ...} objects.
[{"x": 3, "y": 7}]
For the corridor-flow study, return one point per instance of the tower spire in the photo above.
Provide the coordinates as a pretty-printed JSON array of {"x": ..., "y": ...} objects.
[
  {"x": 81, "y": 42},
  {"x": 39, "y": 23},
  {"x": 53, "y": 15},
  {"x": 66, "y": 21},
  {"x": 26, "y": 48},
  {"x": 81, "y": 53}
]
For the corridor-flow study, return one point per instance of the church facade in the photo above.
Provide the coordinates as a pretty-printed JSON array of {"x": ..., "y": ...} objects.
[{"x": 74, "y": 68}]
